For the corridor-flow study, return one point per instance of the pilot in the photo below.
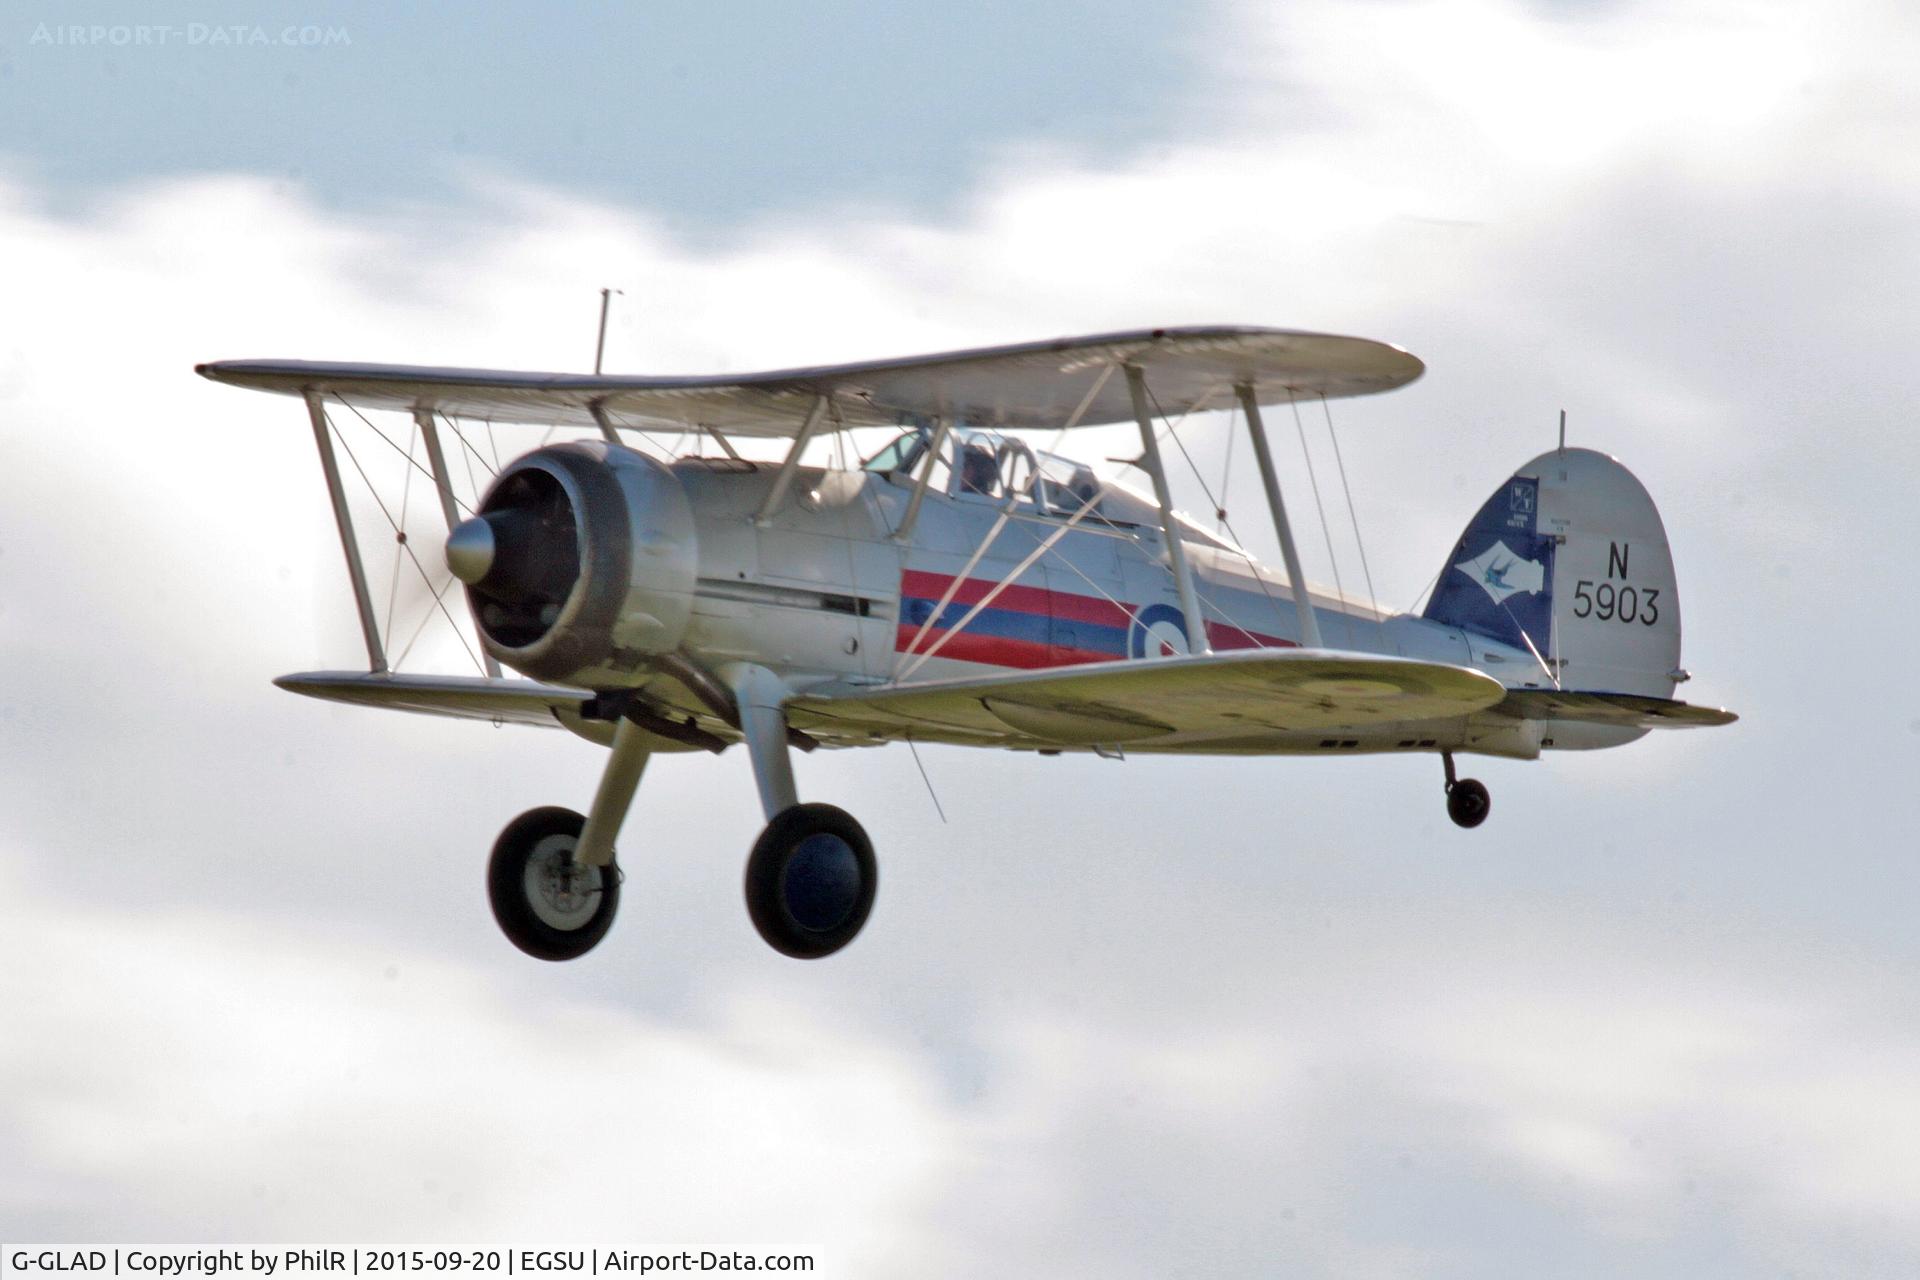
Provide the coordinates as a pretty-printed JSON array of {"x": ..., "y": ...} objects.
[{"x": 977, "y": 470}]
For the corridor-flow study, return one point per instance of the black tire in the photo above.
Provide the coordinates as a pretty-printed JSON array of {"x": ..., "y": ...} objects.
[
  {"x": 557, "y": 910},
  {"x": 810, "y": 881},
  {"x": 1468, "y": 803}
]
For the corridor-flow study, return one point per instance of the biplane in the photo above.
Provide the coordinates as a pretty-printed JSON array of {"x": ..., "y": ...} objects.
[{"x": 963, "y": 585}]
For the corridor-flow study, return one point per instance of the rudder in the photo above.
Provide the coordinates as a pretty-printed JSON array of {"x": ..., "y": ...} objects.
[{"x": 1571, "y": 555}]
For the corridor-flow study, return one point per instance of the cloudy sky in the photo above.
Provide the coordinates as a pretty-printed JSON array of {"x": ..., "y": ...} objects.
[{"x": 1660, "y": 1016}]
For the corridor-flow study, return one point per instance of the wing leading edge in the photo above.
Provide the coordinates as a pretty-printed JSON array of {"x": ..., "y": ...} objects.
[{"x": 1035, "y": 385}]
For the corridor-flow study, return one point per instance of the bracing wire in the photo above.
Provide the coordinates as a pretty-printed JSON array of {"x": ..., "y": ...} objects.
[
  {"x": 424, "y": 575},
  {"x": 459, "y": 503},
  {"x": 1058, "y": 557},
  {"x": 453, "y": 425},
  {"x": 405, "y": 453},
  {"x": 1046, "y": 547},
  {"x": 466, "y": 458},
  {"x": 1423, "y": 591},
  {"x": 931, "y": 793},
  {"x": 1073, "y": 419},
  {"x": 1173, "y": 433},
  {"x": 1321, "y": 507},
  {"x": 1173, "y": 425},
  {"x": 1226, "y": 476},
  {"x": 993, "y": 593},
  {"x": 644, "y": 434},
  {"x": 406, "y": 493},
  {"x": 1373, "y": 600},
  {"x": 425, "y": 618}
]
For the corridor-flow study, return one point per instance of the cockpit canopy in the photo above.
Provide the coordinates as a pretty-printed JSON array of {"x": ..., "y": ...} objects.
[{"x": 990, "y": 466}]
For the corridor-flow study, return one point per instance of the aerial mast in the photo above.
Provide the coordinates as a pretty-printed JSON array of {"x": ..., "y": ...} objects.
[{"x": 600, "y": 347}]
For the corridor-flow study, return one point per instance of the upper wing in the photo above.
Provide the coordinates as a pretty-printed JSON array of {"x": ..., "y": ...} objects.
[
  {"x": 1246, "y": 698},
  {"x": 1034, "y": 384},
  {"x": 1625, "y": 710},
  {"x": 463, "y": 697}
]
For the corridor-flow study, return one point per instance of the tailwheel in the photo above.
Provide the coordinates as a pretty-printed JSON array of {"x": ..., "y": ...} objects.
[
  {"x": 810, "y": 881},
  {"x": 1468, "y": 802},
  {"x": 549, "y": 905}
]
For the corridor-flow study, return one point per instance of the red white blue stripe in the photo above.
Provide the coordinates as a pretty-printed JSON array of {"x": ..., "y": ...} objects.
[{"x": 1031, "y": 627}]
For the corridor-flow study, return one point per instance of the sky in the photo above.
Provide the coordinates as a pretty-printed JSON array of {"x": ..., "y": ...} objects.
[{"x": 1659, "y": 1016}]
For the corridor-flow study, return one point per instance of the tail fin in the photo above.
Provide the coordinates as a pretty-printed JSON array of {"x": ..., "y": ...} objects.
[{"x": 1569, "y": 557}]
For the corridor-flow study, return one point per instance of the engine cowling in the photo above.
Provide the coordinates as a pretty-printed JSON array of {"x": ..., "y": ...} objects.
[{"x": 579, "y": 563}]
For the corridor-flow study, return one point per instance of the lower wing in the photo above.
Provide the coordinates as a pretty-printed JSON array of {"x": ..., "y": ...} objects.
[
  {"x": 1243, "y": 701},
  {"x": 462, "y": 697}
]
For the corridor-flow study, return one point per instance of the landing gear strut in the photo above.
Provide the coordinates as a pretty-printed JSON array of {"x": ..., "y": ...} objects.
[
  {"x": 810, "y": 879},
  {"x": 811, "y": 876},
  {"x": 552, "y": 880},
  {"x": 1467, "y": 800}
]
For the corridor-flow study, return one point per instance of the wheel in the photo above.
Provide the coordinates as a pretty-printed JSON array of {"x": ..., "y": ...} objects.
[
  {"x": 548, "y": 905},
  {"x": 810, "y": 881},
  {"x": 1468, "y": 803}
]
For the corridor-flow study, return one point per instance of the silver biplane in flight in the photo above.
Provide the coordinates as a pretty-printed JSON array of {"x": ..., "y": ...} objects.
[{"x": 962, "y": 586}]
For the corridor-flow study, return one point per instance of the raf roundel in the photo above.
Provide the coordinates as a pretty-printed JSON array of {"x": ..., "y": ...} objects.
[{"x": 1158, "y": 631}]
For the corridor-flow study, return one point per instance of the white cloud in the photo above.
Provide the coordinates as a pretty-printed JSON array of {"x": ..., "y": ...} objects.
[
  {"x": 182, "y": 1071},
  {"x": 194, "y": 1071}
]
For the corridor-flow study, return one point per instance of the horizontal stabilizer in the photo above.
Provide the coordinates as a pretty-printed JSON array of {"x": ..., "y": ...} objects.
[
  {"x": 1624, "y": 710},
  {"x": 1162, "y": 703},
  {"x": 461, "y": 697}
]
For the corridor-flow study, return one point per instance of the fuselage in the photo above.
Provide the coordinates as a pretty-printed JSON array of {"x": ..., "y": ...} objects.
[
  {"x": 599, "y": 567},
  {"x": 830, "y": 591}
]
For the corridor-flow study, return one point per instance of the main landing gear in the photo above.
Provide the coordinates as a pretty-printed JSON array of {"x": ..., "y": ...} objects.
[
  {"x": 552, "y": 879},
  {"x": 811, "y": 876},
  {"x": 810, "y": 879},
  {"x": 1467, "y": 800},
  {"x": 550, "y": 904}
]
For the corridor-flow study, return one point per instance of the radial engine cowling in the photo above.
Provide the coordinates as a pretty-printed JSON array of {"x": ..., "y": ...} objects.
[{"x": 579, "y": 563}]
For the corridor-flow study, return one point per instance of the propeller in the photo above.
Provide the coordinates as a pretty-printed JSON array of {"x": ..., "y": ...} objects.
[{"x": 520, "y": 557}]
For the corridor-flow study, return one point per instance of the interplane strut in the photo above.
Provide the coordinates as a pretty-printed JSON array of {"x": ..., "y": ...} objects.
[{"x": 357, "y": 571}]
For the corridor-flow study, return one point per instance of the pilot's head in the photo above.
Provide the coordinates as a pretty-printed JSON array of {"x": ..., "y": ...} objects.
[{"x": 977, "y": 472}]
